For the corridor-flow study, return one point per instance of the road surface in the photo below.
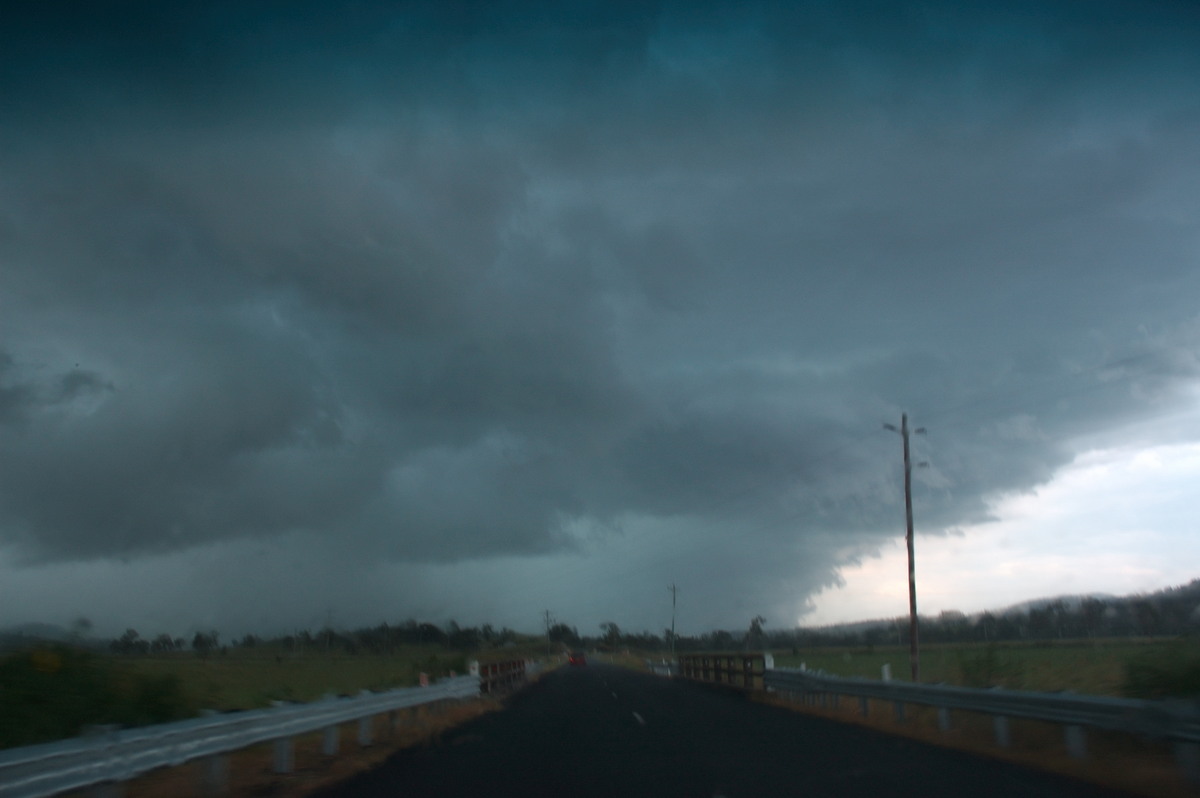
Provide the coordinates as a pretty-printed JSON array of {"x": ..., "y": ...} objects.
[{"x": 599, "y": 730}]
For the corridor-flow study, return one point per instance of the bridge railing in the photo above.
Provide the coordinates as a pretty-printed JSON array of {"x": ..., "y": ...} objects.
[
  {"x": 500, "y": 677},
  {"x": 739, "y": 670},
  {"x": 116, "y": 756}
]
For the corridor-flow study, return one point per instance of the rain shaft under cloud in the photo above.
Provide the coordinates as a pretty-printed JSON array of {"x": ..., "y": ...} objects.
[{"x": 422, "y": 284}]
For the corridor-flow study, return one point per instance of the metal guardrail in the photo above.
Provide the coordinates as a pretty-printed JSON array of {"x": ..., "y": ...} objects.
[
  {"x": 116, "y": 756},
  {"x": 1177, "y": 722},
  {"x": 1149, "y": 718}
]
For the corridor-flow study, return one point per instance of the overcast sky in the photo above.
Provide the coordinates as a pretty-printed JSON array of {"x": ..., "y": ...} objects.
[{"x": 354, "y": 312}]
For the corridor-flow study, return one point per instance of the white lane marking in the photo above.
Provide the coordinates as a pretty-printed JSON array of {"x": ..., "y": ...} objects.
[
  {"x": 614, "y": 695},
  {"x": 639, "y": 718}
]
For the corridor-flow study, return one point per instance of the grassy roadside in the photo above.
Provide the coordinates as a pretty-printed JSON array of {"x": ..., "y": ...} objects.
[
  {"x": 249, "y": 680},
  {"x": 53, "y": 692},
  {"x": 1091, "y": 667}
]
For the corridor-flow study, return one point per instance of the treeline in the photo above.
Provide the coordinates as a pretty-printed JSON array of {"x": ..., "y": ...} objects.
[
  {"x": 381, "y": 639},
  {"x": 1168, "y": 613},
  {"x": 1171, "y": 612}
]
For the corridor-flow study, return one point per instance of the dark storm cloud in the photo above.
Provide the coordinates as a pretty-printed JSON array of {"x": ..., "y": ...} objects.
[
  {"x": 14, "y": 397},
  {"x": 453, "y": 281}
]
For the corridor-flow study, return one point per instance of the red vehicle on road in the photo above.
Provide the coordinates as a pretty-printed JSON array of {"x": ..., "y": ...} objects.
[{"x": 576, "y": 658}]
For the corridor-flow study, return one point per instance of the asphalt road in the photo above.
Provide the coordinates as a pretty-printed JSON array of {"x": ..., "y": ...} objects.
[{"x": 598, "y": 730}]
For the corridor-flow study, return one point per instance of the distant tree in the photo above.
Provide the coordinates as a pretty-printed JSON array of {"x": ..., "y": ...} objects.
[
  {"x": 987, "y": 626},
  {"x": 1146, "y": 614},
  {"x": 721, "y": 640},
  {"x": 561, "y": 633},
  {"x": 428, "y": 633},
  {"x": 463, "y": 639},
  {"x": 1092, "y": 616},
  {"x": 203, "y": 643},
  {"x": 326, "y": 638},
  {"x": 1041, "y": 623},
  {"x": 81, "y": 627},
  {"x": 754, "y": 637},
  {"x": 130, "y": 643},
  {"x": 162, "y": 643},
  {"x": 612, "y": 633}
]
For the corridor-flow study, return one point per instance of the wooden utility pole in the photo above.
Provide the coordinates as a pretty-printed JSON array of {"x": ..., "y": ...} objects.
[
  {"x": 548, "y": 619},
  {"x": 914, "y": 648}
]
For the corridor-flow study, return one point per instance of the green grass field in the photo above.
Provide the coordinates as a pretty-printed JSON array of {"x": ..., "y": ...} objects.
[
  {"x": 50, "y": 692},
  {"x": 250, "y": 679},
  {"x": 1099, "y": 667}
]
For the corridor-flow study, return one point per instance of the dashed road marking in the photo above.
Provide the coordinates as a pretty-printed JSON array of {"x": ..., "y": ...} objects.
[
  {"x": 614, "y": 695},
  {"x": 639, "y": 718}
]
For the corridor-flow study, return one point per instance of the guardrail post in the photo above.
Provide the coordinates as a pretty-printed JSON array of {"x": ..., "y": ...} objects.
[
  {"x": 364, "y": 730},
  {"x": 943, "y": 716},
  {"x": 864, "y": 706},
  {"x": 329, "y": 744},
  {"x": 899, "y": 711},
  {"x": 1000, "y": 727},
  {"x": 365, "y": 724},
  {"x": 1076, "y": 742},
  {"x": 214, "y": 775},
  {"x": 284, "y": 759}
]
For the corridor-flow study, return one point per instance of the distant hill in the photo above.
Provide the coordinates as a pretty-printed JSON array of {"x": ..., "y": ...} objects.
[
  {"x": 28, "y": 633},
  {"x": 1173, "y": 610},
  {"x": 1071, "y": 602}
]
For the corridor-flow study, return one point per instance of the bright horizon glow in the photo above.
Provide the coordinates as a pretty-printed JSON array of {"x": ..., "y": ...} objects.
[{"x": 1116, "y": 521}]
